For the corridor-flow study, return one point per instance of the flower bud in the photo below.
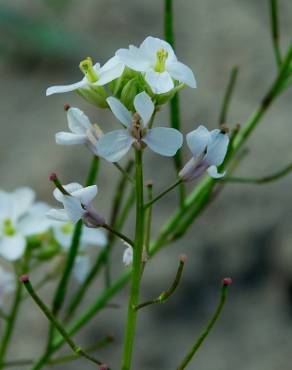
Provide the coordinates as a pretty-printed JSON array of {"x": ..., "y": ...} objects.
[
  {"x": 95, "y": 95},
  {"x": 93, "y": 219},
  {"x": 129, "y": 91}
]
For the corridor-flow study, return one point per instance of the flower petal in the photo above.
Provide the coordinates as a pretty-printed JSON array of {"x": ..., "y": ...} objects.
[
  {"x": 73, "y": 186},
  {"x": 151, "y": 45},
  {"x": 81, "y": 268},
  {"x": 22, "y": 200},
  {"x": 164, "y": 140},
  {"x": 217, "y": 148},
  {"x": 120, "y": 111},
  {"x": 73, "y": 208},
  {"x": 113, "y": 69},
  {"x": 160, "y": 83},
  {"x": 67, "y": 138},
  {"x": 128, "y": 256},
  {"x": 35, "y": 221},
  {"x": 213, "y": 172},
  {"x": 78, "y": 122},
  {"x": 94, "y": 237},
  {"x": 135, "y": 59},
  {"x": 12, "y": 247},
  {"x": 57, "y": 215},
  {"x": 198, "y": 140},
  {"x": 144, "y": 106},
  {"x": 66, "y": 88},
  {"x": 182, "y": 73},
  {"x": 85, "y": 195},
  {"x": 5, "y": 205},
  {"x": 114, "y": 145},
  {"x": 63, "y": 233}
]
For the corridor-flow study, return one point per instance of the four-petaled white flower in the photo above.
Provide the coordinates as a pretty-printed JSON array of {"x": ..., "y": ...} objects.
[
  {"x": 128, "y": 255},
  {"x": 94, "y": 76},
  {"x": 7, "y": 284},
  {"x": 157, "y": 60},
  {"x": 162, "y": 140},
  {"x": 76, "y": 205},
  {"x": 82, "y": 131},
  {"x": 209, "y": 149},
  {"x": 20, "y": 217},
  {"x": 63, "y": 233}
]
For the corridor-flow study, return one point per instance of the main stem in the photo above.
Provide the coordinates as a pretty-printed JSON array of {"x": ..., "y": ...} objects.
[{"x": 137, "y": 266}]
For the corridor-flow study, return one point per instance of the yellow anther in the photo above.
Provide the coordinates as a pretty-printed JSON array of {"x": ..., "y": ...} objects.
[
  {"x": 8, "y": 227},
  {"x": 161, "y": 57},
  {"x": 86, "y": 67},
  {"x": 67, "y": 228}
]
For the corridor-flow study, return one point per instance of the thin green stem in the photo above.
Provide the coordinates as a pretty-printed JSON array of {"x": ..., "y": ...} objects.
[
  {"x": 124, "y": 172},
  {"x": 275, "y": 31},
  {"x": 186, "y": 360},
  {"x": 169, "y": 292},
  {"x": 119, "y": 234},
  {"x": 79, "y": 351},
  {"x": 227, "y": 96},
  {"x": 159, "y": 196},
  {"x": 148, "y": 218},
  {"x": 137, "y": 265},
  {"x": 174, "y": 103}
]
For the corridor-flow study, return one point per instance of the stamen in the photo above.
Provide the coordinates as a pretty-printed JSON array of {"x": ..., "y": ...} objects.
[
  {"x": 161, "y": 57},
  {"x": 8, "y": 227},
  {"x": 86, "y": 67}
]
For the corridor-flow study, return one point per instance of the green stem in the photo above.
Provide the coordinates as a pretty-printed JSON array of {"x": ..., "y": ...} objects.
[
  {"x": 137, "y": 266},
  {"x": 148, "y": 218},
  {"x": 174, "y": 103},
  {"x": 56, "y": 323},
  {"x": 159, "y": 196},
  {"x": 227, "y": 96},
  {"x": 206, "y": 331},
  {"x": 275, "y": 31},
  {"x": 119, "y": 234}
]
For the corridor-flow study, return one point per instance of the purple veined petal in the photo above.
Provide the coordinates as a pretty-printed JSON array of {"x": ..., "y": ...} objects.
[
  {"x": 181, "y": 73},
  {"x": 94, "y": 237},
  {"x": 134, "y": 59},
  {"x": 22, "y": 200},
  {"x": 73, "y": 186},
  {"x": 144, "y": 106},
  {"x": 217, "y": 148},
  {"x": 198, "y": 140},
  {"x": 73, "y": 208},
  {"x": 193, "y": 169},
  {"x": 66, "y": 88},
  {"x": 120, "y": 111},
  {"x": 35, "y": 221},
  {"x": 160, "y": 83},
  {"x": 213, "y": 172},
  {"x": 85, "y": 195},
  {"x": 151, "y": 45},
  {"x": 164, "y": 140},
  {"x": 114, "y": 145},
  {"x": 81, "y": 268},
  {"x": 78, "y": 122},
  {"x": 67, "y": 138},
  {"x": 12, "y": 247},
  {"x": 57, "y": 215}
]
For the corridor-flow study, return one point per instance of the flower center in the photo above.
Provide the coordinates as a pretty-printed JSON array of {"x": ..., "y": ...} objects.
[
  {"x": 8, "y": 228},
  {"x": 137, "y": 131},
  {"x": 67, "y": 228},
  {"x": 161, "y": 57},
  {"x": 86, "y": 67}
]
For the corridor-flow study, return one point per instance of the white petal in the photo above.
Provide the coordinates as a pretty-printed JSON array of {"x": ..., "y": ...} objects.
[
  {"x": 81, "y": 268},
  {"x": 182, "y": 73},
  {"x": 35, "y": 221},
  {"x": 67, "y": 138},
  {"x": 217, "y": 148},
  {"x": 57, "y": 215},
  {"x": 213, "y": 172},
  {"x": 151, "y": 45},
  {"x": 64, "y": 238},
  {"x": 73, "y": 186},
  {"x": 135, "y": 59},
  {"x": 12, "y": 247},
  {"x": 114, "y": 145},
  {"x": 66, "y": 88},
  {"x": 198, "y": 140},
  {"x": 85, "y": 195},
  {"x": 120, "y": 111},
  {"x": 128, "y": 256},
  {"x": 73, "y": 208},
  {"x": 113, "y": 69},
  {"x": 144, "y": 106},
  {"x": 5, "y": 205},
  {"x": 78, "y": 122},
  {"x": 160, "y": 83},
  {"x": 22, "y": 200},
  {"x": 94, "y": 237},
  {"x": 164, "y": 140}
]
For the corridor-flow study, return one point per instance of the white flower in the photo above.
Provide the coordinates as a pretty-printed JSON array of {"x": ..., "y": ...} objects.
[
  {"x": 94, "y": 76},
  {"x": 128, "y": 255},
  {"x": 19, "y": 218},
  {"x": 82, "y": 131},
  {"x": 162, "y": 140},
  {"x": 157, "y": 60},
  {"x": 76, "y": 205},
  {"x": 7, "y": 284},
  {"x": 209, "y": 149}
]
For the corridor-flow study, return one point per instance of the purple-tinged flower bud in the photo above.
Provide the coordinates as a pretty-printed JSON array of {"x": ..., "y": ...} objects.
[
  {"x": 103, "y": 367},
  {"x": 226, "y": 281},
  {"x": 53, "y": 176},
  {"x": 93, "y": 219},
  {"x": 24, "y": 278}
]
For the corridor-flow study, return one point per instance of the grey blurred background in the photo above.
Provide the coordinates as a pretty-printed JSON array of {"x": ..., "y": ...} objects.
[{"x": 246, "y": 233}]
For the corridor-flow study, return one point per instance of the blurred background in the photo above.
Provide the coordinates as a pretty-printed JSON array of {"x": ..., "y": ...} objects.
[{"x": 246, "y": 233}]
